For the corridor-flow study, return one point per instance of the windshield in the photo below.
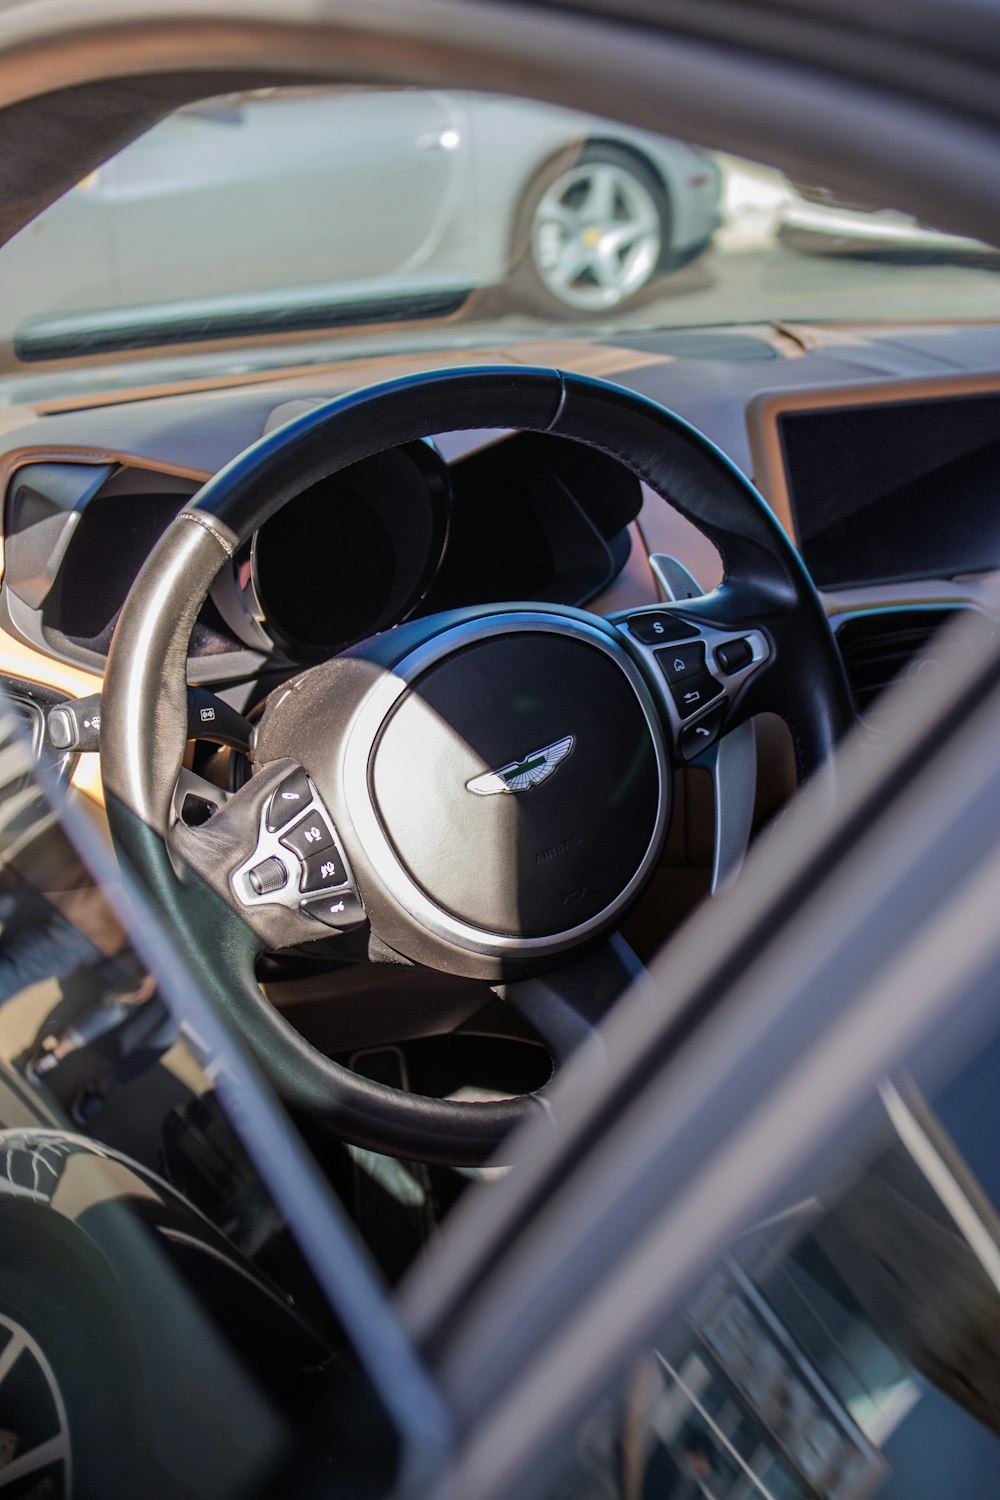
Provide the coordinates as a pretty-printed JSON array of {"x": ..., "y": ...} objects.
[{"x": 307, "y": 222}]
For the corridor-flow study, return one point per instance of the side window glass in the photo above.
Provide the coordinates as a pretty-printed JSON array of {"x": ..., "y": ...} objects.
[
  {"x": 846, "y": 1348},
  {"x": 142, "y": 1254}
]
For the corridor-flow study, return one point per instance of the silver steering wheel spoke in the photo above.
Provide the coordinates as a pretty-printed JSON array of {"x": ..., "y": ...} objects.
[
  {"x": 200, "y": 790},
  {"x": 732, "y": 762},
  {"x": 698, "y": 669}
]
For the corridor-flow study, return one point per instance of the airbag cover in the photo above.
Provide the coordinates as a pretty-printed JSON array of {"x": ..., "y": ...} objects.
[{"x": 555, "y": 850}]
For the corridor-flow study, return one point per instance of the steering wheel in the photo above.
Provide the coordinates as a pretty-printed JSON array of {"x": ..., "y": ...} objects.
[{"x": 483, "y": 792}]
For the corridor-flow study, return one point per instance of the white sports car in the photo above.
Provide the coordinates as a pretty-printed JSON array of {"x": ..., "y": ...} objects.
[{"x": 581, "y": 214}]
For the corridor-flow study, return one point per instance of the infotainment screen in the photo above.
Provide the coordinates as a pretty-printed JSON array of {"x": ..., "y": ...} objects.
[{"x": 895, "y": 490}]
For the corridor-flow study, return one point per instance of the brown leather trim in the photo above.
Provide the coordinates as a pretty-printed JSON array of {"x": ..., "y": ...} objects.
[
  {"x": 30, "y": 665},
  {"x": 980, "y": 591}
]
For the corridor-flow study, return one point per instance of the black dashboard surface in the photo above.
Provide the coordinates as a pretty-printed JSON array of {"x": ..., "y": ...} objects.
[
  {"x": 708, "y": 382},
  {"x": 497, "y": 544},
  {"x": 712, "y": 392}
]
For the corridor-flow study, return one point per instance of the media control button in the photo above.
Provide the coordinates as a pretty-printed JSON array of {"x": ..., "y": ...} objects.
[
  {"x": 692, "y": 693},
  {"x": 288, "y": 801},
  {"x": 733, "y": 656},
  {"x": 321, "y": 871},
  {"x": 269, "y": 876},
  {"x": 677, "y": 662},
  {"x": 309, "y": 836},
  {"x": 694, "y": 738},
  {"x": 653, "y": 629},
  {"x": 341, "y": 911}
]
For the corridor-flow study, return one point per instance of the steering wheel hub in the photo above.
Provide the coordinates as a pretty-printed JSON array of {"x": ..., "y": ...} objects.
[
  {"x": 501, "y": 780},
  {"x": 516, "y": 784}
]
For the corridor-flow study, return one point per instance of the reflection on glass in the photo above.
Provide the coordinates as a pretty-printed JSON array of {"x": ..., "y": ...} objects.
[
  {"x": 141, "y": 1255},
  {"x": 77, "y": 1006},
  {"x": 847, "y": 1348},
  {"x": 437, "y": 208}
]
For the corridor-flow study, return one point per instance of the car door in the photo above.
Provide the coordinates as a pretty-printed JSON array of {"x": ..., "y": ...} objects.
[
  {"x": 291, "y": 188},
  {"x": 761, "y": 1256},
  {"x": 114, "y": 1276}
]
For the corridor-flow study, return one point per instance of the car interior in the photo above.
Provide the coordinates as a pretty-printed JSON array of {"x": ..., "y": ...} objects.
[{"x": 426, "y": 660}]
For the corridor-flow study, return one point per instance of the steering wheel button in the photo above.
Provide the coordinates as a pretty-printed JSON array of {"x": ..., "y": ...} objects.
[
  {"x": 322, "y": 871},
  {"x": 733, "y": 656},
  {"x": 269, "y": 876},
  {"x": 292, "y": 796},
  {"x": 653, "y": 629},
  {"x": 342, "y": 911},
  {"x": 692, "y": 693},
  {"x": 677, "y": 662},
  {"x": 694, "y": 738},
  {"x": 309, "y": 836}
]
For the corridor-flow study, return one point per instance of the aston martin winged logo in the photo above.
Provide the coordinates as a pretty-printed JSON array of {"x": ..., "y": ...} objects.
[{"x": 522, "y": 775}]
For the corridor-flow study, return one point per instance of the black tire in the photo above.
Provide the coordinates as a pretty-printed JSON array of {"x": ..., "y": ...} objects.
[
  {"x": 528, "y": 283},
  {"x": 58, "y": 1289}
]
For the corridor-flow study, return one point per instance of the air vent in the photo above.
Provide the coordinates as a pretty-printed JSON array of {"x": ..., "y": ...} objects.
[
  {"x": 30, "y": 703},
  {"x": 879, "y": 646}
]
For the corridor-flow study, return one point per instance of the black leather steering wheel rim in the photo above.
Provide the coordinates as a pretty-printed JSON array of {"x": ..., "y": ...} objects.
[{"x": 144, "y": 703}]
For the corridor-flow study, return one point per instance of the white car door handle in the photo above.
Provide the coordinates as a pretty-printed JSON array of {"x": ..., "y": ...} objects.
[{"x": 445, "y": 139}]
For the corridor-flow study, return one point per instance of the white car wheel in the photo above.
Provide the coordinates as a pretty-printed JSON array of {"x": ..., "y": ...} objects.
[
  {"x": 34, "y": 1432},
  {"x": 597, "y": 233}
]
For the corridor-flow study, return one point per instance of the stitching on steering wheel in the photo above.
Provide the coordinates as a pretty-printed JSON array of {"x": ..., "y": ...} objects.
[{"x": 202, "y": 520}]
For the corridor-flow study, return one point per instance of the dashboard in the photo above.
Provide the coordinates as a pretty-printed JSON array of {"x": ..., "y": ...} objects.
[
  {"x": 401, "y": 533},
  {"x": 878, "y": 448}
]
